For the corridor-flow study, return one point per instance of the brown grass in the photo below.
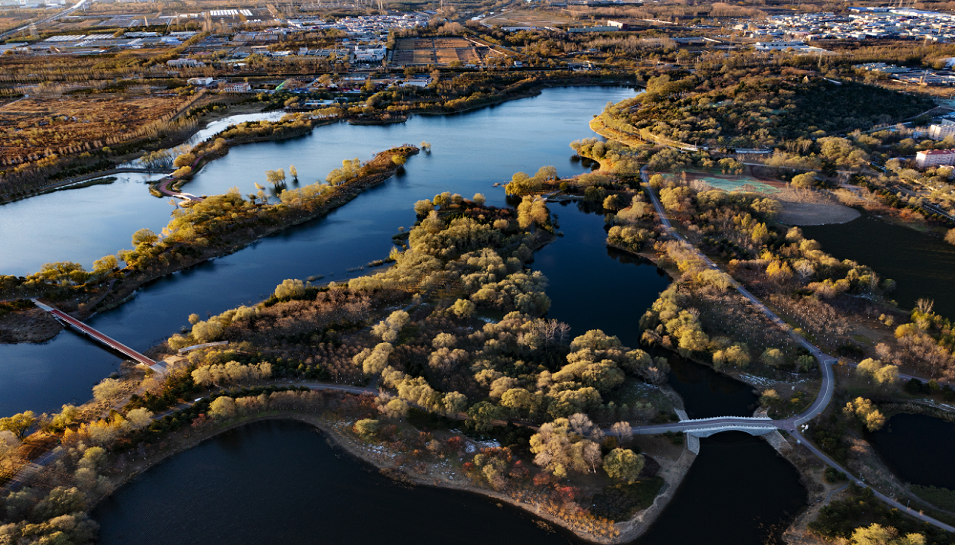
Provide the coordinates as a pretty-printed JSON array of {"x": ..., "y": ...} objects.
[{"x": 42, "y": 126}]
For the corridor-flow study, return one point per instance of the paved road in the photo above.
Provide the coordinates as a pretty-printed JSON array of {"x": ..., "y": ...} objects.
[
  {"x": 791, "y": 424},
  {"x": 57, "y": 15},
  {"x": 825, "y": 360},
  {"x": 885, "y": 499}
]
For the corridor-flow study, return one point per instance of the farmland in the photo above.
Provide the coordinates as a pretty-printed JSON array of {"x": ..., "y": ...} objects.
[
  {"x": 440, "y": 51},
  {"x": 37, "y": 127}
]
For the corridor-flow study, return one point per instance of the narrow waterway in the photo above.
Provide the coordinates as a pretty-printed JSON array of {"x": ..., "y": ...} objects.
[
  {"x": 472, "y": 151},
  {"x": 918, "y": 449},
  {"x": 596, "y": 287},
  {"x": 922, "y": 266}
]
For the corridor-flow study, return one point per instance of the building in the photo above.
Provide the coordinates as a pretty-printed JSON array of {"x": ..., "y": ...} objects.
[
  {"x": 939, "y": 132},
  {"x": 191, "y": 63},
  {"x": 236, "y": 88},
  {"x": 935, "y": 157},
  {"x": 202, "y": 82}
]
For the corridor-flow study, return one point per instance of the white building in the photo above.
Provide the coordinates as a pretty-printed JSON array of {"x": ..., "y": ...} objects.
[
  {"x": 179, "y": 63},
  {"x": 939, "y": 132},
  {"x": 200, "y": 81},
  {"x": 369, "y": 54},
  {"x": 935, "y": 157}
]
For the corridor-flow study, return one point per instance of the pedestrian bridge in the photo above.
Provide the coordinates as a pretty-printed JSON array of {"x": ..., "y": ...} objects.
[
  {"x": 79, "y": 326},
  {"x": 705, "y": 427}
]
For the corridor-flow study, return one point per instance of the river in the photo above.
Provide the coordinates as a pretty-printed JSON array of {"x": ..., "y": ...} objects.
[
  {"x": 279, "y": 482},
  {"x": 921, "y": 265},
  {"x": 472, "y": 151}
]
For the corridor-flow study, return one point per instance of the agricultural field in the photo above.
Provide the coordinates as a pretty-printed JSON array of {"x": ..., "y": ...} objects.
[
  {"x": 440, "y": 51},
  {"x": 522, "y": 17},
  {"x": 40, "y": 126}
]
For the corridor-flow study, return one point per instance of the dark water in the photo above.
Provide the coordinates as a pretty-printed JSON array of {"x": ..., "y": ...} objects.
[
  {"x": 707, "y": 393},
  {"x": 918, "y": 449},
  {"x": 738, "y": 491},
  {"x": 596, "y": 287},
  {"x": 280, "y": 482},
  {"x": 471, "y": 152},
  {"x": 921, "y": 265}
]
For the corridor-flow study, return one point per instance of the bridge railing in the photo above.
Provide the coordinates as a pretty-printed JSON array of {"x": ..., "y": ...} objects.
[{"x": 712, "y": 418}]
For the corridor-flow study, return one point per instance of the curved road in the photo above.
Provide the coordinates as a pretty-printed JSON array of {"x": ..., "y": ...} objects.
[{"x": 759, "y": 426}]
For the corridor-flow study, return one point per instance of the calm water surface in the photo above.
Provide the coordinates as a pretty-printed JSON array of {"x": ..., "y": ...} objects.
[
  {"x": 78, "y": 225},
  {"x": 918, "y": 449},
  {"x": 921, "y": 265},
  {"x": 280, "y": 482},
  {"x": 596, "y": 287},
  {"x": 471, "y": 152}
]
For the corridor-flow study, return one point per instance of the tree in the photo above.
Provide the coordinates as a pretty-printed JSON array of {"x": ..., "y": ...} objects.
[
  {"x": 876, "y": 534},
  {"x": 804, "y": 181},
  {"x": 389, "y": 328},
  {"x": 367, "y": 428},
  {"x": 423, "y": 208},
  {"x": 479, "y": 198},
  {"x": 559, "y": 450},
  {"x": 623, "y": 431},
  {"x": 293, "y": 172},
  {"x": 866, "y": 412},
  {"x": 290, "y": 288},
  {"x": 8, "y": 442},
  {"x": 623, "y": 464},
  {"x": 60, "y": 501},
  {"x": 374, "y": 361},
  {"x": 275, "y": 177},
  {"x": 481, "y": 415},
  {"x": 145, "y": 236},
  {"x": 18, "y": 424},
  {"x": 396, "y": 408},
  {"x": 773, "y": 357},
  {"x": 950, "y": 236},
  {"x": 105, "y": 263},
  {"x": 463, "y": 308},
  {"x": 108, "y": 389}
]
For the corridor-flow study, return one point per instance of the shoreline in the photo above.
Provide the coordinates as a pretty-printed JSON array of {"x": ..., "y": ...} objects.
[
  {"x": 113, "y": 298},
  {"x": 673, "y": 473}
]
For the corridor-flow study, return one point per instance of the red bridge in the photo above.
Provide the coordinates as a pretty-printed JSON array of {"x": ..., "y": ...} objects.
[{"x": 68, "y": 320}]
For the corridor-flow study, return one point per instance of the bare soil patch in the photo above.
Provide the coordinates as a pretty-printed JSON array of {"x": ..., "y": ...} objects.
[{"x": 805, "y": 207}]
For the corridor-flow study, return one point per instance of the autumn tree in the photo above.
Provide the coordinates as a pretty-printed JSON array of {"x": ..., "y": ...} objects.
[
  {"x": 623, "y": 464},
  {"x": 18, "y": 424}
]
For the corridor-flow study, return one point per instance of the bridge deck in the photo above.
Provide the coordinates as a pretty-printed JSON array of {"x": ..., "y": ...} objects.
[{"x": 66, "y": 319}]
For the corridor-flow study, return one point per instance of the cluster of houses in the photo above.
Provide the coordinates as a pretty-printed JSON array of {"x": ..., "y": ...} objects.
[
  {"x": 365, "y": 27},
  {"x": 861, "y": 23},
  {"x": 919, "y": 76}
]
